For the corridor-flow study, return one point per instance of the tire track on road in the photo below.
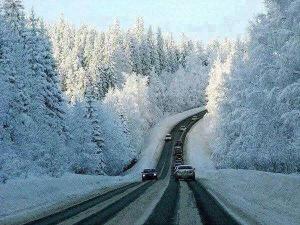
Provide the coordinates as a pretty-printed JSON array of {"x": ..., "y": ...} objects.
[
  {"x": 212, "y": 213},
  {"x": 73, "y": 210}
]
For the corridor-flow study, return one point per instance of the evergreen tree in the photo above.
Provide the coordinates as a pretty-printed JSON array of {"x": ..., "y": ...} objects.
[
  {"x": 151, "y": 46},
  {"x": 172, "y": 64},
  {"x": 115, "y": 58},
  {"x": 139, "y": 30},
  {"x": 13, "y": 13},
  {"x": 133, "y": 54},
  {"x": 7, "y": 80},
  {"x": 160, "y": 53},
  {"x": 92, "y": 115},
  {"x": 14, "y": 67},
  {"x": 145, "y": 58},
  {"x": 186, "y": 47}
]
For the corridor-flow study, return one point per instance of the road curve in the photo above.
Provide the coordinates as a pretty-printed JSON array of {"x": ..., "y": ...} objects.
[{"x": 136, "y": 203}]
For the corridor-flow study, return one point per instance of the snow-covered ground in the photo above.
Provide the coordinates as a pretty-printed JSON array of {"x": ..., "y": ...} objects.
[
  {"x": 26, "y": 198},
  {"x": 23, "y": 199},
  {"x": 253, "y": 197},
  {"x": 138, "y": 211}
]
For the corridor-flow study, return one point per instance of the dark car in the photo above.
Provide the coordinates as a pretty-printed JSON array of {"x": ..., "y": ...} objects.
[
  {"x": 182, "y": 128},
  {"x": 179, "y": 143},
  {"x": 178, "y": 150},
  {"x": 179, "y": 161},
  {"x": 179, "y": 157},
  {"x": 149, "y": 174}
]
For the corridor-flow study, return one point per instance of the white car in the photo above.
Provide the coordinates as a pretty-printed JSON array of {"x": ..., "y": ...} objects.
[
  {"x": 168, "y": 137},
  {"x": 184, "y": 172},
  {"x": 176, "y": 164},
  {"x": 182, "y": 128},
  {"x": 195, "y": 118}
]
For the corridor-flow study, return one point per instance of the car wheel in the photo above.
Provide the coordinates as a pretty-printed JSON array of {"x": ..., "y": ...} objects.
[
  {"x": 156, "y": 178},
  {"x": 193, "y": 178},
  {"x": 143, "y": 179}
]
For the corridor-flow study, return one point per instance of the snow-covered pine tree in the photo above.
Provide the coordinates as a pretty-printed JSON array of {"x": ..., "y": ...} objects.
[
  {"x": 89, "y": 48},
  {"x": 132, "y": 52},
  {"x": 145, "y": 58},
  {"x": 62, "y": 37},
  {"x": 8, "y": 86},
  {"x": 13, "y": 13},
  {"x": 114, "y": 55},
  {"x": 15, "y": 70},
  {"x": 151, "y": 46},
  {"x": 157, "y": 96},
  {"x": 81, "y": 147},
  {"x": 92, "y": 113},
  {"x": 186, "y": 48},
  {"x": 172, "y": 63},
  {"x": 160, "y": 52}
]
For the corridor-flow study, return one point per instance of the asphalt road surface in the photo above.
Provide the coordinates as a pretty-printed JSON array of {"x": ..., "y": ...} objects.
[{"x": 165, "y": 201}]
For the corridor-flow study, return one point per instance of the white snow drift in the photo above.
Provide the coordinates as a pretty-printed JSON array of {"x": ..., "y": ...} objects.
[{"x": 253, "y": 197}]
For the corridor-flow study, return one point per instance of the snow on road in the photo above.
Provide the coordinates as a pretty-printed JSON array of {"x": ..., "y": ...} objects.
[
  {"x": 139, "y": 210},
  {"x": 23, "y": 199},
  {"x": 253, "y": 197},
  {"x": 97, "y": 208},
  {"x": 187, "y": 208}
]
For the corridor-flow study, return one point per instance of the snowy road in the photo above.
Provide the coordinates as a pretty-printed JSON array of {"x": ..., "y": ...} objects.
[{"x": 162, "y": 202}]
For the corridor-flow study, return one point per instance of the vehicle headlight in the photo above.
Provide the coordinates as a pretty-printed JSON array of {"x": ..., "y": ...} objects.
[
  {"x": 155, "y": 174},
  {"x": 143, "y": 175}
]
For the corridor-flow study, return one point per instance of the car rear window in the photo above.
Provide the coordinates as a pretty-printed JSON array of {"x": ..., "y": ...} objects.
[{"x": 185, "y": 167}]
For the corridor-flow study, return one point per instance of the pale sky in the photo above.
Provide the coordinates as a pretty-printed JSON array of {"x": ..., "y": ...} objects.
[{"x": 198, "y": 19}]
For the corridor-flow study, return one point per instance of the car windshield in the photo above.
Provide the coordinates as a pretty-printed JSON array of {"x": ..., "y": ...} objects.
[
  {"x": 185, "y": 167},
  {"x": 149, "y": 170}
]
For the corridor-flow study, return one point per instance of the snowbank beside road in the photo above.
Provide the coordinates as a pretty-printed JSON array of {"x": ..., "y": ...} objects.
[
  {"x": 197, "y": 149},
  {"x": 32, "y": 196},
  {"x": 253, "y": 197},
  {"x": 256, "y": 197},
  {"x": 23, "y": 199}
]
